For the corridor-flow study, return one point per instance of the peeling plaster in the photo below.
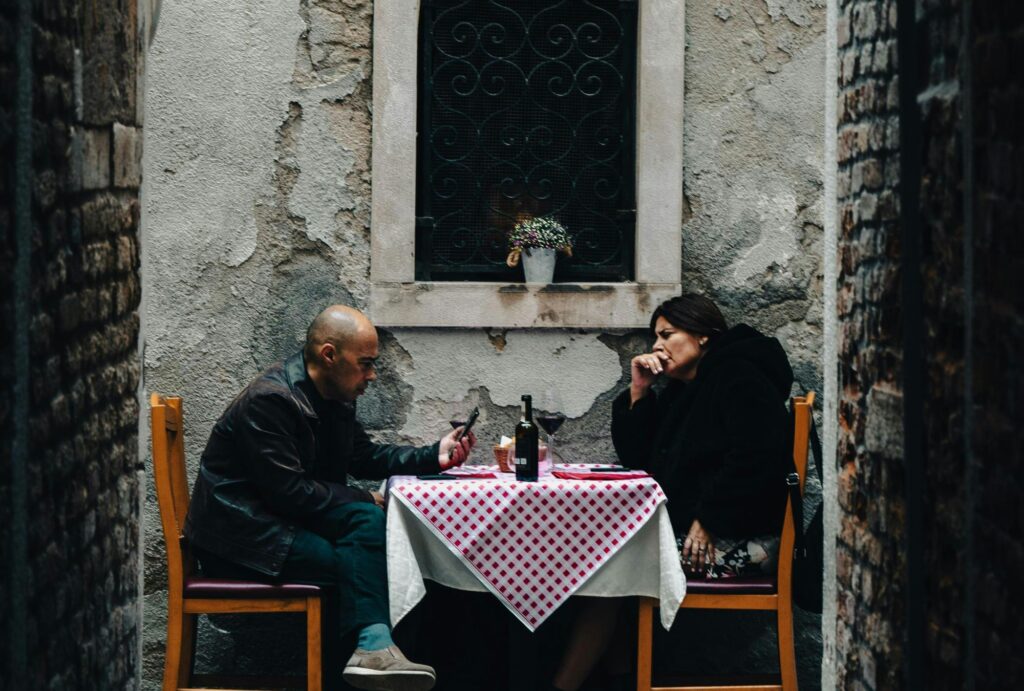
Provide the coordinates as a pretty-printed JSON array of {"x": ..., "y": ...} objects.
[
  {"x": 256, "y": 199},
  {"x": 323, "y": 162},
  {"x": 796, "y": 11},
  {"x": 579, "y": 366},
  {"x": 777, "y": 243}
]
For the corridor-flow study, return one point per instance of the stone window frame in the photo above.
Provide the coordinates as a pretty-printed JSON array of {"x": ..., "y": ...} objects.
[{"x": 398, "y": 300}]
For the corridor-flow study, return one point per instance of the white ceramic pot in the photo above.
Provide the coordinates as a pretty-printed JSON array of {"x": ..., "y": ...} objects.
[{"x": 539, "y": 264}]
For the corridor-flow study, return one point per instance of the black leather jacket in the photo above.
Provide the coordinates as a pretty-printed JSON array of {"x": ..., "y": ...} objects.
[{"x": 276, "y": 460}]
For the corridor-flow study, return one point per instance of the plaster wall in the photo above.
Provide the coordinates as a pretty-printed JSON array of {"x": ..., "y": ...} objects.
[{"x": 257, "y": 214}]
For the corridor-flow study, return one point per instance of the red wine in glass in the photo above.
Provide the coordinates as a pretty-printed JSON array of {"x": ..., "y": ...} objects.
[{"x": 550, "y": 422}]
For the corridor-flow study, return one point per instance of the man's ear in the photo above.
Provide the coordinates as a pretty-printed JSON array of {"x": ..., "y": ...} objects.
[{"x": 328, "y": 353}]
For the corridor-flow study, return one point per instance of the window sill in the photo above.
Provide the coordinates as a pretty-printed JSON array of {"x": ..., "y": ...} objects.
[{"x": 517, "y": 305}]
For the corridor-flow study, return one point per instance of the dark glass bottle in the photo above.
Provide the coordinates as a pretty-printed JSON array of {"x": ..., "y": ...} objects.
[{"x": 527, "y": 441}]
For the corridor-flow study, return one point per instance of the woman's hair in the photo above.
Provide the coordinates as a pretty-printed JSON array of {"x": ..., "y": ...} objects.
[{"x": 693, "y": 313}]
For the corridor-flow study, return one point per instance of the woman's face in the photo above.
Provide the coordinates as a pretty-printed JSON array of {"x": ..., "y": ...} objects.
[{"x": 682, "y": 349}]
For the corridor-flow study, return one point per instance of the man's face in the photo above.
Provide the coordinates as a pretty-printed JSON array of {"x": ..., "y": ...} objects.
[{"x": 354, "y": 366}]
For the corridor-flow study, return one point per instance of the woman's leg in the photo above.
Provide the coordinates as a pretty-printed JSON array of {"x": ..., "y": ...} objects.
[{"x": 591, "y": 632}]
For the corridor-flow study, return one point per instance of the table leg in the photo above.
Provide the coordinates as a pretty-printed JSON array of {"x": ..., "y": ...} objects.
[{"x": 524, "y": 658}]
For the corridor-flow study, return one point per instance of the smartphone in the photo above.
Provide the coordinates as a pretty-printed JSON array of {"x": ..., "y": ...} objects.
[{"x": 469, "y": 423}]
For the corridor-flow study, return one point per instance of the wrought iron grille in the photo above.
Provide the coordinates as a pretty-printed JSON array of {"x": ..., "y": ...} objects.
[{"x": 525, "y": 109}]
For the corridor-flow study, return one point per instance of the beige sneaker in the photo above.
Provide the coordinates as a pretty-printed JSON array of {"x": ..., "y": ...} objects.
[{"x": 387, "y": 670}]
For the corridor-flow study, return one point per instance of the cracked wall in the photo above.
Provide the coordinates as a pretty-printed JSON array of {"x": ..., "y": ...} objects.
[{"x": 257, "y": 214}]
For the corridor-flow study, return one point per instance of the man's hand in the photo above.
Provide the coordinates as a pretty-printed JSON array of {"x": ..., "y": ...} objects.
[
  {"x": 454, "y": 453},
  {"x": 698, "y": 548},
  {"x": 378, "y": 498}
]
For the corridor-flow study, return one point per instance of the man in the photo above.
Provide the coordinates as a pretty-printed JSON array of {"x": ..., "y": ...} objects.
[{"x": 271, "y": 500}]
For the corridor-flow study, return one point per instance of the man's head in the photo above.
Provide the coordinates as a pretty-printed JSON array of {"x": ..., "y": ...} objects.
[{"x": 341, "y": 353}]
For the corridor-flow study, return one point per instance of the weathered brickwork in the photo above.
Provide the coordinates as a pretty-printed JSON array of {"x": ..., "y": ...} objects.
[
  {"x": 997, "y": 51},
  {"x": 7, "y": 253},
  {"x": 82, "y": 468},
  {"x": 971, "y": 198},
  {"x": 870, "y": 556},
  {"x": 942, "y": 271}
]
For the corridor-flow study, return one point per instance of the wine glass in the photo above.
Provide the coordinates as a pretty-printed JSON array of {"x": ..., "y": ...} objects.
[{"x": 550, "y": 419}]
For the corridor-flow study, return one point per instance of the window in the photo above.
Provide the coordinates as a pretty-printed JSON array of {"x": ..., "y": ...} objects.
[
  {"x": 525, "y": 109},
  {"x": 651, "y": 177}
]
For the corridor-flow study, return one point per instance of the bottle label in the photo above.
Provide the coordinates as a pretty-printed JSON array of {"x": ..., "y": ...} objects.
[{"x": 520, "y": 460}]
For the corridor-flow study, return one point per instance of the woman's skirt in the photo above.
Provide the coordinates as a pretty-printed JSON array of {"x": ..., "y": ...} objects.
[{"x": 755, "y": 556}]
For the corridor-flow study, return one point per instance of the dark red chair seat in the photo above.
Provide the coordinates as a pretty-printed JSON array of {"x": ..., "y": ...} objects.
[
  {"x": 740, "y": 585},
  {"x": 224, "y": 588}
]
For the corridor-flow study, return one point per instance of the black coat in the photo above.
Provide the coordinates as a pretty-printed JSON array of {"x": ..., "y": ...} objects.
[
  {"x": 720, "y": 445},
  {"x": 277, "y": 459}
]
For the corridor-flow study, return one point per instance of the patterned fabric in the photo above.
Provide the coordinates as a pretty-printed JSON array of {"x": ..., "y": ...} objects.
[
  {"x": 532, "y": 544},
  {"x": 755, "y": 556}
]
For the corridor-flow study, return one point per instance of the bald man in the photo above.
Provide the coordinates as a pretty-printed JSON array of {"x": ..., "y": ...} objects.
[{"x": 271, "y": 501}]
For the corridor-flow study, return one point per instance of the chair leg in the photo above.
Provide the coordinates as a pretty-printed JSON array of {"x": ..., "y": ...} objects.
[
  {"x": 172, "y": 654},
  {"x": 314, "y": 669},
  {"x": 644, "y": 639},
  {"x": 787, "y": 650},
  {"x": 188, "y": 649}
]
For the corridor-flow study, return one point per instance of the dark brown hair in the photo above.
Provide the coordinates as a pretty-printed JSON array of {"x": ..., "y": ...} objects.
[{"x": 693, "y": 313}]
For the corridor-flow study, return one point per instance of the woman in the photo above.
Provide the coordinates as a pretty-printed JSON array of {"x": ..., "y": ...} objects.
[{"x": 716, "y": 437}]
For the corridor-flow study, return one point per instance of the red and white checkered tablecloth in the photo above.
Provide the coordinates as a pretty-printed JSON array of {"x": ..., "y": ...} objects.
[{"x": 532, "y": 544}]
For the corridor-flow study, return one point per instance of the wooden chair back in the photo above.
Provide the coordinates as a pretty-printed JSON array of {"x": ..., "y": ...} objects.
[
  {"x": 779, "y": 599},
  {"x": 168, "y": 430},
  {"x": 802, "y": 407}
]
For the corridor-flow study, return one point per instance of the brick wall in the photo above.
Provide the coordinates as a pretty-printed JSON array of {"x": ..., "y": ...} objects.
[
  {"x": 968, "y": 190},
  {"x": 997, "y": 51},
  {"x": 870, "y": 558},
  {"x": 82, "y": 462},
  {"x": 942, "y": 324}
]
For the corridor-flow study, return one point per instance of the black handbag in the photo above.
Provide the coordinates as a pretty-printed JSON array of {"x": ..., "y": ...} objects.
[{"x": 808, "y": 547}]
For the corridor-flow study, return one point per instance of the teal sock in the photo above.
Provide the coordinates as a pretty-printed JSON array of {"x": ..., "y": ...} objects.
[{"x": 375, "y": 637}]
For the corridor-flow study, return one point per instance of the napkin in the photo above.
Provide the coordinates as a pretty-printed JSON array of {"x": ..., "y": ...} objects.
[
  {"x": 470, "y": 472},
  {"x": 585, "y": 475}
]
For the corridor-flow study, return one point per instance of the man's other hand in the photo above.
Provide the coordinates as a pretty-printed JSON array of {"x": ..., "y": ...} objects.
[
  {"x": 452, "y": 453},
  {"x": 378, "y": 498}
]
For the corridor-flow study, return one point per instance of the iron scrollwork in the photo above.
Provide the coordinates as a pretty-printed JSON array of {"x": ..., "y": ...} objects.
[{"x": 526, "y": 109}]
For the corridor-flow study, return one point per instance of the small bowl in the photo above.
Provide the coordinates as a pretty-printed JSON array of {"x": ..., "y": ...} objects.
[{"x": 503, "y": 455}]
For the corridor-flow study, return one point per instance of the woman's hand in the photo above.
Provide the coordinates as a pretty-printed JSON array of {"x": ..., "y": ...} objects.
[
  {"x": 644, "y": 371},
  {"x": 452, "y": 453},
  {"x": 698, "y": 547}
]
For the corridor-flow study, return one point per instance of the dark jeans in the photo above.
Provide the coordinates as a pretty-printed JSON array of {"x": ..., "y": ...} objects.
[{"x": 344, "y": 550}]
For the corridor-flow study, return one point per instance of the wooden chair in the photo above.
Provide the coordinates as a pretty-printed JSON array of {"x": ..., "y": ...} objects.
[
  {"x": 764, "y": 594},
  {"x": 189, "y": 595}
]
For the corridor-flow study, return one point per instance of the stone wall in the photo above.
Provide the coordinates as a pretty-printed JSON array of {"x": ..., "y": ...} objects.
[
  {"x": 870, "y": 444},
  {"x": 997, "y": 343},
  {"x": 79, "y": 591},
  {"x": 257, "y": 214},
  {"x": 930, "y": 311},
  {"x": 943, "y": 321}
]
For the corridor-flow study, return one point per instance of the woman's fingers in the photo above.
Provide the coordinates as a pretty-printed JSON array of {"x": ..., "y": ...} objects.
[{"x": 650, "y": 362}]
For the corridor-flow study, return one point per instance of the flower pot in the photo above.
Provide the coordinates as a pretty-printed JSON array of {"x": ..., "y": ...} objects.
[{"x": 539, "y": 264}]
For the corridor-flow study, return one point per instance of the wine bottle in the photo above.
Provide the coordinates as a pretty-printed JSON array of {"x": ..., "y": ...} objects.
[{"x": 527, "y": 441}]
